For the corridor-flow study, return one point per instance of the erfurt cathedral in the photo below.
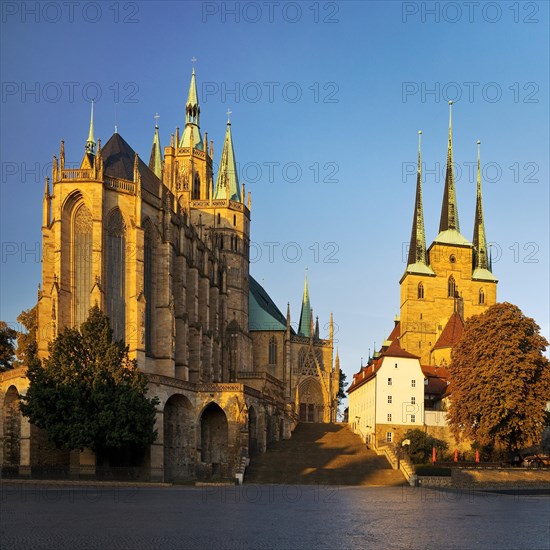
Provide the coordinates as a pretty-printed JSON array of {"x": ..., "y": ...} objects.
[{"x": 163, "y": 249}]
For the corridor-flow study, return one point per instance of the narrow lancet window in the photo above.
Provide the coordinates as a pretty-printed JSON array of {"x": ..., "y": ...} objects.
[
  {"x": 116, "y": 274},
  {"x": 82, "y": 256}
]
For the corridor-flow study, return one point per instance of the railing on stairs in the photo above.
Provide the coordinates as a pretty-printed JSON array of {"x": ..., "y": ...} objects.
[
  {"x": 399, "y": 460},
  {"x": 242, "y": 464}
]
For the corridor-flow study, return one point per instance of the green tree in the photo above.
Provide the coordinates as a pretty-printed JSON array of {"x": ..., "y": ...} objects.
[
  {"x": 7, "y": 346},
  {"x": 341, "y": 387},
  {"x": 89, "y": 393},
  {"x": 421, "y": 444},
  {"x": 27, "y": 346},
  {"x": 500, "y": 379}
]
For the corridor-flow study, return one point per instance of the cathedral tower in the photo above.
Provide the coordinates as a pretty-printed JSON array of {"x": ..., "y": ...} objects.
[{"x": 450, "y": 278}]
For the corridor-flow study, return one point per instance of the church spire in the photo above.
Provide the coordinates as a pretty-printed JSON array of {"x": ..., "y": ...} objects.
[
  {"x": 192, "y": 115},
  {"x": 90, "y": 143},
  {"x": 155, "y": 161},
  {"x": 481, "y": 261},
  {"x": 227, "y": 182},
  {"x": 449, "y": 209},
  {"x": 304, "y": 328},
  {"x": 449, "y": 227},
  {"x": 418, "y": 259}
]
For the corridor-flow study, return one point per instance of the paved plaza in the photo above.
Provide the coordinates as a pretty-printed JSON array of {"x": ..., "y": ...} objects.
[{"x": 59, "y": 516}]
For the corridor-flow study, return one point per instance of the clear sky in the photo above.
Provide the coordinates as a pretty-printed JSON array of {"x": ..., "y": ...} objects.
[{"x": 326, "y": 99}]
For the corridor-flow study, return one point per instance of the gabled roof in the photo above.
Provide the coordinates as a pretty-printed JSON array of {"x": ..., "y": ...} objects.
[
  {"x": 396, "y": 332},
  {"x": 395, "y": 350},
  {"x": 438, "y": 380},
  {"x": 365, "y": 374},
  {"x": 263, "y": 313},
  {"x": 118, "y": 162},
  {"x": 452, "y": 333}
]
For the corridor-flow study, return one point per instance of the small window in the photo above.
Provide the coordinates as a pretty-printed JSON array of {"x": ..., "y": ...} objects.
[
  {"x": 413, "y": 383},
  {"x": 413, "y": 418},
  {"x": 413, "y": 400},
  {"x": 389, "y": 437},
  {"x": 389, "y": 399},
  {"x": 451, "y": 287},
  {"x": 234, "y": 219},
  {"x": 389, "y": 417},
  {"x": 272, "y": 351},
  {"x": 219, "y": 219},
  {"x": 389, "y": 381},
  {"x": 395, "y": 365},
  {"x": 420, "y": 292},
  {"x": 481, "y": 296}
]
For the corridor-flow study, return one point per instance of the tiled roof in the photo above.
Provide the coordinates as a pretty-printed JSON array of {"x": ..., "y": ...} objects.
[
  {"x": 364, "y": 375},
  {"x": 438, "y": 380},
  {"x": 396, "y": 332},
  {"x": 395, "y": 350},
  {"x": 452, "y": 332},
  {"x": 263, "y": 313},
  {"x": 118, "y": 161}
]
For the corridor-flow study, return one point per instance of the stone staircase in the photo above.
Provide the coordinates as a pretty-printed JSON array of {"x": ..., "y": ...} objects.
[{"x": 324, "y": 454}]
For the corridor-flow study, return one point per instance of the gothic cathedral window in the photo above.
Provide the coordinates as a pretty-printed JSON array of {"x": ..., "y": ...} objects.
[
  {"x": 420, "y": 291},
  {"x": 196, "y": 194},
  {"x": 82, "y": 260},
  {"x": 451, "y": 287},
  {"x": 148, "y": 286},
  {"x": 272, "y": 351},
  {"x": 116, "y": 273}
]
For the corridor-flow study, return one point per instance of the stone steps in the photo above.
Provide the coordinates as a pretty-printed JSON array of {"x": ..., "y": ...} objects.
[{"x": 325, "y": 454}]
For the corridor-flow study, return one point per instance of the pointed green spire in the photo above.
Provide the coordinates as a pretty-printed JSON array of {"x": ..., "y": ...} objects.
[
  {"x": 304, "y": 328},
  {"x": 482, "y": 263},
  {"x": 449, "y": 208},
  {"x": 155, "y": 160},
  {"x": 449, "y": 227},
  {"x": 90, "y": 143},
  {"x": 418, "y": 258},
  {"x": 192, "y": 115},
  {"x": 192, "y": 100},
  {"x": 227, "y": 182}
]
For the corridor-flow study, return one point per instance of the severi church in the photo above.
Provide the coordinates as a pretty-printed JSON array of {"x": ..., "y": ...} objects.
[
  {"x": 406, "y": 384},
  {"x": 163, "y": 249}
]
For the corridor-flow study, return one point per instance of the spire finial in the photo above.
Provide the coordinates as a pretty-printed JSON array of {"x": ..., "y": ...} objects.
[
  {"x": 90, "y": 143},
  {"x": 193, "y": 61},
  {"x": 156, "y": 117},
  {"x": 116, "y": 117},
  {"x": 229, "y": 111}
]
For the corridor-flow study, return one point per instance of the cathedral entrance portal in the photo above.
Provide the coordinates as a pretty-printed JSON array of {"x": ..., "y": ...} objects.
[{"x": 311, "y": 403}]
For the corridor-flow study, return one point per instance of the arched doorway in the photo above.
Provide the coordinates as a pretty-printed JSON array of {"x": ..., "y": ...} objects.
[
  {"x": 12, "y": 428},
  {"x": 179, "y": 438},
  {"x": 311, "y": 403},
  {"x": 252, "y": 431},
  {"x": 214, "y": 437}
]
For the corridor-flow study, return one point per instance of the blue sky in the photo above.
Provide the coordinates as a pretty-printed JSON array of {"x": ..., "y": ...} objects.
[{"x": 326, "y": 99}]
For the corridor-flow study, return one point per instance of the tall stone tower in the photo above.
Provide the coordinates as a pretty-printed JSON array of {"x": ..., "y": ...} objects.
[
  {"x": 448, "y": 282},
  {"x": 221, "y": 215}
]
